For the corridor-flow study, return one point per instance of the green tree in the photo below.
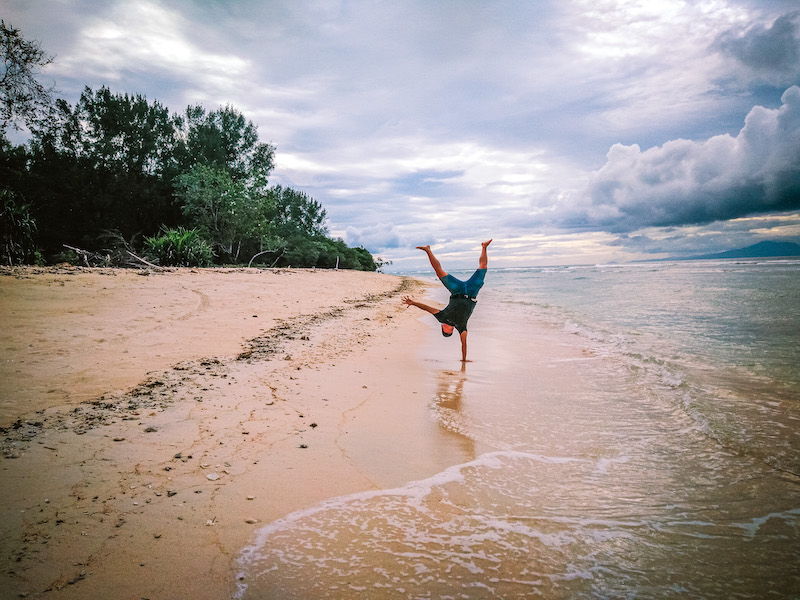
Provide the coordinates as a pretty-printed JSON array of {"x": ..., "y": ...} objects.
[
  {"x": 299, "y": 251},
  {"x": 296, "y": 213},
  {"x": 364, "y": 260},
  {"x": 225, "y": 211},
  {"x": 17, "y": 230},
  {"x": 109, "y": 163},
  {"x": 13, "y": 164},
  {"x": 118, "y": 162},
  {"x": 128, "y": 134},
  {"x": 59, "y": 182},
  {"x": 22, "y": 97},
  {"x": 324, "y": 252},
  {"x": 223, "y": 139}
]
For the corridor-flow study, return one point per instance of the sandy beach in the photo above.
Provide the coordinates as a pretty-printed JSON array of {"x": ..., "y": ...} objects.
[{"x": 152, "y": 421}]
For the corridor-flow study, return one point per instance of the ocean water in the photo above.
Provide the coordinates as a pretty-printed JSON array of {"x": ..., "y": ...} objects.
[{"x": 636, "y": 434}]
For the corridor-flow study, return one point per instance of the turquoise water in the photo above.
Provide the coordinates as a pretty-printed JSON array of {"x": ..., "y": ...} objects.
[
  {"x": 724, "y": 334},
  {"x": 642, "y": 427}
]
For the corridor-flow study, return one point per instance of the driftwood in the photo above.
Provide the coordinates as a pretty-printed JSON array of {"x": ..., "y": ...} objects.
[
  {"x": 106, "y": 260},
  {"x": 255, "y": 256},
  {"x": 117, "y": 248},
  {"x": 149, "y": 264},
  {"x": 84, "y": 253}
]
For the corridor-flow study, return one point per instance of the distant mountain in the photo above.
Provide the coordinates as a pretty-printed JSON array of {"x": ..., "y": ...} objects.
[{"x": 760, "y": 250}]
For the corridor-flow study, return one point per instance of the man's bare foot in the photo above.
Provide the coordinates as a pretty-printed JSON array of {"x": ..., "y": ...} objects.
[
  {"x": 484, "y": 244},
  {"x": 424, "y": 248}
]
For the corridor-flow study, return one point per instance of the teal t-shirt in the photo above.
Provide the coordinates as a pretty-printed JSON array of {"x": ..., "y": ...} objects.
[{"x": 457, "y": 312}]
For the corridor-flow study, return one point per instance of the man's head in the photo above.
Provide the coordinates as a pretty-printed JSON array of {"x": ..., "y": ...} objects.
[{"x": 447, "y": 330}]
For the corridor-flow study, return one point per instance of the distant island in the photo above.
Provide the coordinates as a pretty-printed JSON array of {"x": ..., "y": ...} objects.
[{"x": 760, "y": 250}]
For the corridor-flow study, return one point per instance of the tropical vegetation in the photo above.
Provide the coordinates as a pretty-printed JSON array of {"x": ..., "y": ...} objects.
[{"x": 117, "y": 175}]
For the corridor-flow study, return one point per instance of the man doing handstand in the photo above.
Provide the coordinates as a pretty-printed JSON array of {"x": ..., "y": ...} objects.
[{"x": 463, "y": 296}]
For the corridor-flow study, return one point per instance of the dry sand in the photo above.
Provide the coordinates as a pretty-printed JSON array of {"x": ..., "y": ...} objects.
[{"x": 151, "y": 423}]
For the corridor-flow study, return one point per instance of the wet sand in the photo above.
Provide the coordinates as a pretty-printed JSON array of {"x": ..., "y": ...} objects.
[{"x": 151, "y": 423}]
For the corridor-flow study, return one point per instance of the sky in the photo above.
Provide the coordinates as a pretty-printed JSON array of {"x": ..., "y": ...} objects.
[{"x": 569, "y": 131}]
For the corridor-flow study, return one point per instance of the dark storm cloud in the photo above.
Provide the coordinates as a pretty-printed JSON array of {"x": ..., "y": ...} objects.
[
  {"x": 686, "y": 182},
  {"x": 772, "y": 52}
]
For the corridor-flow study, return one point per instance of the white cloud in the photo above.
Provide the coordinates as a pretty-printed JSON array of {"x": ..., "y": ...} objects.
[
  {"x": 686, "y": 182},
  {"x": 374, "y": 238},
  {"x": 650, "y": 60},
  {"x": 144, "y": 37}
]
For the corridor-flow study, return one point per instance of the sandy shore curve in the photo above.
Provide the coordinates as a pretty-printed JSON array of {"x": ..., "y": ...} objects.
[{"x": 150, "y": 423}]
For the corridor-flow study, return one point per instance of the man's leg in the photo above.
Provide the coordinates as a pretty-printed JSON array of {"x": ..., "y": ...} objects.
[
  {"x": 437, "y": 266},
  {"x": 483, "y": 262},
  {"x": 475, "y": 283}
]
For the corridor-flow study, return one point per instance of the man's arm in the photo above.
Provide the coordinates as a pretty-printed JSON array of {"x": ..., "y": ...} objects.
[
  {"x": 411, "y": 302},
  {"x": 464, "y": 346}
]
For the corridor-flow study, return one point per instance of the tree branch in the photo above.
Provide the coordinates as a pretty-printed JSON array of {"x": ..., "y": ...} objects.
[{"x": 149, "y": 264}]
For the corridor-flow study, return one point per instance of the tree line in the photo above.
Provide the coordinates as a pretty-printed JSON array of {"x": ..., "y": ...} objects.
[{"x": 117, "y": 176}]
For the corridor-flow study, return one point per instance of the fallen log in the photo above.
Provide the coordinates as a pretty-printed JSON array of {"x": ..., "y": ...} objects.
[
  {"x": 149, "y": 264},
  {"x": 83, "y": 253}
]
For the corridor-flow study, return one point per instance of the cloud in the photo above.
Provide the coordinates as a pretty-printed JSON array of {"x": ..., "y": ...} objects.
[
  {"x": 148, "y": 43},
  {"x": 425, "y": 182},
  {"x": 769, "y": 54},
  {"x": 428, "y": 189},
  {"x": 445, "y": 133},
  {"x": 374, "y": 238},
  {"x": 686, "y": 182},
  {"x": 708, "y": 239}
]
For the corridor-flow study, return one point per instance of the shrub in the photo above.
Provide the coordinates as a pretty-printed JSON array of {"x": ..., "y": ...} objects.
[
  {"x": 17, "y": 231},
  {"x": 179, "y": 247}
]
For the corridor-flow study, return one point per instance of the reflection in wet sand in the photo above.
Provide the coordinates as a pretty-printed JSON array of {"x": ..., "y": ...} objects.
[{"x": 448, "y": 406}]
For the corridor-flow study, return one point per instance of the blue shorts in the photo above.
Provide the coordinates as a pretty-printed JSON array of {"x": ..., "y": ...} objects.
[{"x": 470, "y": 287}]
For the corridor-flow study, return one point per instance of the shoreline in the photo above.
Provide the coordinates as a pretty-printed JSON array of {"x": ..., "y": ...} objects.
[
  {"x": 63, "y": 324},
  {"x": 153, "y": 489}
]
